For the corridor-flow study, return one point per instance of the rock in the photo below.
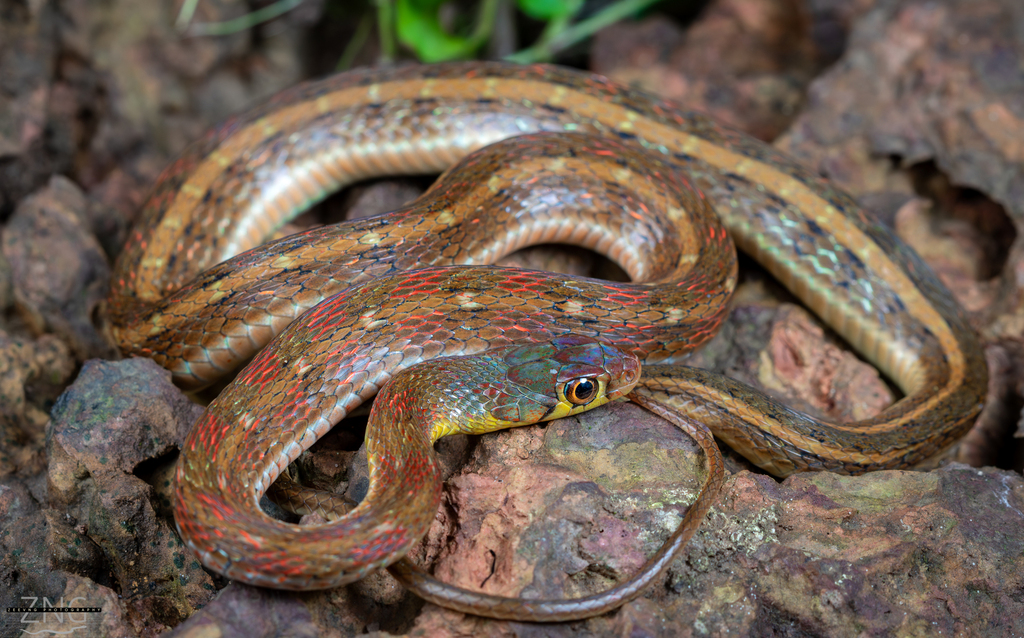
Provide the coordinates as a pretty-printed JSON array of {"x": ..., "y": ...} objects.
[
  {"x": 930, "y": 85},
  {"x": 112, "y": 444},
  {"x": 251, "y": 612},
  {"x": 32, "y": 374},
  {"x": 60, "y": 272},
  {"x": 745, "y": 62},
  {"x": 932, "y": 104},
  {"x": 880, "y": 554},
  {"x": 27, "y": 62},
  {"x": 106, "y": 616},
  {"x": 25, "y": 571}
]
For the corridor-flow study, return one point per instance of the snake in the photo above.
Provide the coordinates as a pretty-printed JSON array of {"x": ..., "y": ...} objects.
[{"x": 531, "y": 154}]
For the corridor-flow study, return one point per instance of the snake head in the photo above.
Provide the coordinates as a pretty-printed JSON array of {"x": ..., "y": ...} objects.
[{"x": 567, "y": 375}]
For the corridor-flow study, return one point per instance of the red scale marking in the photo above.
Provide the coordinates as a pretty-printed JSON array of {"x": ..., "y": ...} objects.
[{"x": 249, "y": 538}]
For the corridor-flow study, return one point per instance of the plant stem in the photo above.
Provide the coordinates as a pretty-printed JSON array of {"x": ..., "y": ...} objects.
[
  {"x": 188, "y": 9},
  {"x": 356, "y": 43},
  {"x": 484, "y": 23},
  {"x": 244, "y": 22},
  {"x": 386, "y": 30},
  {"x": 547, "y": 47}
]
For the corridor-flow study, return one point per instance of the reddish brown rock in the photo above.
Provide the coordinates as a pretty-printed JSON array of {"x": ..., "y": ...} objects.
[
  {"x": 745, "y": 62},
  {"x": 800, "y": 362},
  {"x": 60, "y": 272},
  {"x": 784, "y": 351},
  {"x": 955, "y": 249},
  {"x": 552, "y": 529},
  {"x": 929, "y": 84},
  {"x": 880, "y": 554},
  {"x": 949, "y": 48}
]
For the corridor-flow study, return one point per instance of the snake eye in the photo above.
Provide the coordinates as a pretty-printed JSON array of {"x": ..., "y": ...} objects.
[{"x": 580, "y": 391}]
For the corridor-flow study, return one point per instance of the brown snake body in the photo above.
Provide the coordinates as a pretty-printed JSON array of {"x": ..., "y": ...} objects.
[{"x": 234, "y": 187}]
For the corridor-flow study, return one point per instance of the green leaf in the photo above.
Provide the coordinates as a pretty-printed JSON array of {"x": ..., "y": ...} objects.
[
  {"x": 549, "y": 9},
  {"x": 418, "y": 27}
]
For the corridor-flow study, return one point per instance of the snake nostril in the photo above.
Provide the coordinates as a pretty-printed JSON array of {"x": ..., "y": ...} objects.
[{"x": 632, "y": 373}]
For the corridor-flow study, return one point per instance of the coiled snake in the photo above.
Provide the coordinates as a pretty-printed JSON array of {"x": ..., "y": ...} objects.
[{"x": 352, "y": 306}]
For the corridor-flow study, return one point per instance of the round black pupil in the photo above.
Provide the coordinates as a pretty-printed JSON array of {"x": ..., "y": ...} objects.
[{"x": 583, "y": 389}]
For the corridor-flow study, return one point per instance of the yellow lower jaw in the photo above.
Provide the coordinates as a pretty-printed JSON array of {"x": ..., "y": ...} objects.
[
  {"x": 486, "y": 424},
  {"x": 568, "y": 409}
]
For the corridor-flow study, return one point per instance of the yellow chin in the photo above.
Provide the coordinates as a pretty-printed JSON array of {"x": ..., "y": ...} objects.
[{"x": 564, "y": 408}]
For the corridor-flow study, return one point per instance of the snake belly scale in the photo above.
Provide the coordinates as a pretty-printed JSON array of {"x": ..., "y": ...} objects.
[{"x": 372, "y": 316}]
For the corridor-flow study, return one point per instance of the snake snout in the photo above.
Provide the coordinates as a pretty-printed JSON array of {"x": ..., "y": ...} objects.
[{"x": 623, "y": 371}]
